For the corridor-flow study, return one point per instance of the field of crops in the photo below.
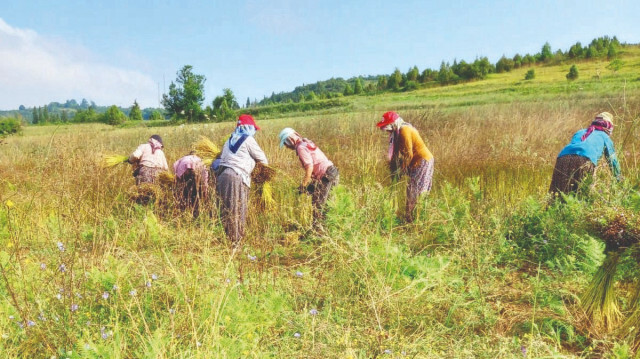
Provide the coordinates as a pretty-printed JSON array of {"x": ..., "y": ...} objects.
[{"x": 487, "y": 270}]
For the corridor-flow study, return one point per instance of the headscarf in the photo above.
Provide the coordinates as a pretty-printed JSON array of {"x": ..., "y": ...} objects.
[
  {"x": 394, "y": 130},
  {"x": 601, "y": 123},
  {"x": 156, "y": 143},
  {"x": 239, "y": 135}
]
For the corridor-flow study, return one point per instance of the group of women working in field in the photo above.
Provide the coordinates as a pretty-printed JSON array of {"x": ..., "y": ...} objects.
[{"x": 407, "y": 155}]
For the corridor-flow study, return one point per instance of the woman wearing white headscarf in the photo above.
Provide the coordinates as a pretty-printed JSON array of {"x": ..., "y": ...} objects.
[
  {"x": 320, "y": 173},
  {"x": 238, "y": 159}
]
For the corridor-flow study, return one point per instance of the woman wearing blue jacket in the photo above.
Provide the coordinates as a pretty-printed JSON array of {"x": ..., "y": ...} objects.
[{"x": 580, "y": 157}]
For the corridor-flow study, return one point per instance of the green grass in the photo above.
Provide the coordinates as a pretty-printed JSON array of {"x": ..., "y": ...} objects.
[{"x": 487, "y": 270}]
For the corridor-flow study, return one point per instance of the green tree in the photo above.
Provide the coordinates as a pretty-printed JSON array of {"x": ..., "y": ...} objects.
[
  {"x": 545, "y": 53},
  {"x": 45, "y": 114},
  {"x": 357, "y": 88},
  {"x": 413, "y": 74},
  {"x": 311, "y": 96},
  {"x": 36, "y": 116},
  {"x": 382, "y": 82},
  {"x": 135, "y": 114},
  {"x": 114, "y": 116},
  {"x": 156, "y": 116},
  {"x": 248, "y": 104},
  {"x": 530, "y": 75},
  {"x": 573, "y": 73},
  {"x": 394, "y": 80},
  {"x": 348, "y": 91},
  {"x": 186, "y": 95},
  {"x": 64, "y": 117}
]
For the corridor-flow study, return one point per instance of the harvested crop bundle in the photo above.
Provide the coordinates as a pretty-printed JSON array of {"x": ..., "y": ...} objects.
[
  {"x": 267, "y": 196},
  {"x": 620, "y": 233},
  {"x": 166, "y": 178},
  {"x": 113, "y": 160},
  {"x": 206, "y": 149},
  {"x": 262, "y": 173},
  {"x": 599, "y": 300}
]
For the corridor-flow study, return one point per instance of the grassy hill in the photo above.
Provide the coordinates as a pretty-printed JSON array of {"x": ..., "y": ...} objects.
[{"x": 487, "y": 270}]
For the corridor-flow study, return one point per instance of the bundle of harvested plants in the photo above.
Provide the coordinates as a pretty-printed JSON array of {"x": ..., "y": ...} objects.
[
  {"x": 113, "y": 160},
  {"x": 599, "y": 300}
]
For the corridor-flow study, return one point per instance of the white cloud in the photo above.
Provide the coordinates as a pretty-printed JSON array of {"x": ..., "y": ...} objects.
[{"x": 36, "y": 70}]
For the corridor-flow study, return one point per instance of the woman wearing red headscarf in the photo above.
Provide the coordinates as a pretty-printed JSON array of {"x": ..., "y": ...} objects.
[
  {"x": 580, "y": 157},
  {"x": 408, "y": 155},
  {"x": 233, "y": 176}
]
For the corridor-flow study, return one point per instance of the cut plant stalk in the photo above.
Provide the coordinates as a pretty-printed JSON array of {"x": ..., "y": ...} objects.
[{"x": 599, "y": 300}]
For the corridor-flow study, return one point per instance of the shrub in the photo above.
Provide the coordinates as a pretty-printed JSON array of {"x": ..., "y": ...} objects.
[
  {"x": 9, "y": 126},
  {"x": 573, "y": 73},
  {"x": 530, "y": 75}
]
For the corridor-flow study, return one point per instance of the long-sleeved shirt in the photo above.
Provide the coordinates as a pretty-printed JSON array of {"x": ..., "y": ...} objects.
[
  {"x": 315, "y": 158},
  {"x": 593, "y": 147},
  {"x": 244, "y": 160},
  {"x": 148, "y": 158},
  {"x": 409, "y": 149}
]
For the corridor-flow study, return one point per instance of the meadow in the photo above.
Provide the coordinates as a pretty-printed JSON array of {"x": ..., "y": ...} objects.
[{"x": 488, "y": 270}]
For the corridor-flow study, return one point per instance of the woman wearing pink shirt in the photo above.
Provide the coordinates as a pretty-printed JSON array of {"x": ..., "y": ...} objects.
[
  {"x": 148, "y": 160},
  {"x": 192, "y": 180},
  {"x": 320, "y": 173}
]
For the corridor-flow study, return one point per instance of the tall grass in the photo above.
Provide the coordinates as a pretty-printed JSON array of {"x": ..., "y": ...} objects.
[{"x": 87, "y": 273}]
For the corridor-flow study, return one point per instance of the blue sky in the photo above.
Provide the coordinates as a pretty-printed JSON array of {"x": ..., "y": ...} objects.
[{"x": 113, "y": 52}]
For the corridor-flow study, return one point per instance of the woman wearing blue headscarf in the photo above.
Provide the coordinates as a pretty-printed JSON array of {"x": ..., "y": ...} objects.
[{"x": 238, "y": 159}]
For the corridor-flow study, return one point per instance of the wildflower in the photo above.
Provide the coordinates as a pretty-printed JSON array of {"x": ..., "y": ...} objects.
[
  {"x": 296, "y": 335},
  {"x": 62, "y": 268},
  {"x": 313, "y": 312},
  {"x": 172, "y": 311},
  {"x": 227, "y": 280},
  {"x": 154, "y": 277},
  {"x": 87, "y": 346},
  {"x": 59, "y": 296},
  {"x": 60, "y": 246},
  {"x": 133, "y": 292},
  {"x": 545, "y": 241},
  {"x": 104, "y": 335},
  {"x": 198, "y": 344},
  {"x": 105, "y": 295},
  {"x": 43, "y": 266},
  {"x": 523, "y": 349},
  {"x": 9, "y": 203},
  {"x": 74, "y": 307},
  {"x": 11, "y": 317},
  {"x": 299, "y": 274},
  {"x": 147, "y": 284},
  {"x": 41, "y": 318},
  {"x": 387, "y": 351},
  {"x": 79, "y": 295},
  {"x": 115, "y": 287},
  {"x": 252, "y": 258}
]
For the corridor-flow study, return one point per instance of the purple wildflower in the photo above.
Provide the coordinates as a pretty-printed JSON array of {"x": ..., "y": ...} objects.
[
  {"x": 104, "y": 335},
  {"x": 313, "y": 312},
  {"x": 296, "y": 335},
  {"x": 30, "y": 323},
  {"x": 62, "y": 268},
  {"x": 154, "y": 277},
  {"x": 115, "y": 287},
  {"x": 133, "y": 292},
  {"x": 60, "y": 246},
  {"x": 387, "y": 351},
  {"x": 252, "y": 258},
  {"x": 105, "y": 295},
  {"x": 523, "y": 349},
  {"x": 74, "y": 307},
  {"x": 299, "y": 274},
  {"x": 43, "y": 266},
  {"x": 147, "y": 284},
  {"x": 11, "y": 317}
]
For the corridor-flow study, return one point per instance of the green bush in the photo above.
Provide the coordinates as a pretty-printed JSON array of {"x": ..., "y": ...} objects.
[
  {"x": 9, "y": 126},
  {"x": 530, "y": 75},
  {"x": 573, "y": 73}
]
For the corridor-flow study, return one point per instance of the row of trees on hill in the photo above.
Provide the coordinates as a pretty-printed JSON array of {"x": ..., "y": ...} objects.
[{"x": 448, "y": 73}]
